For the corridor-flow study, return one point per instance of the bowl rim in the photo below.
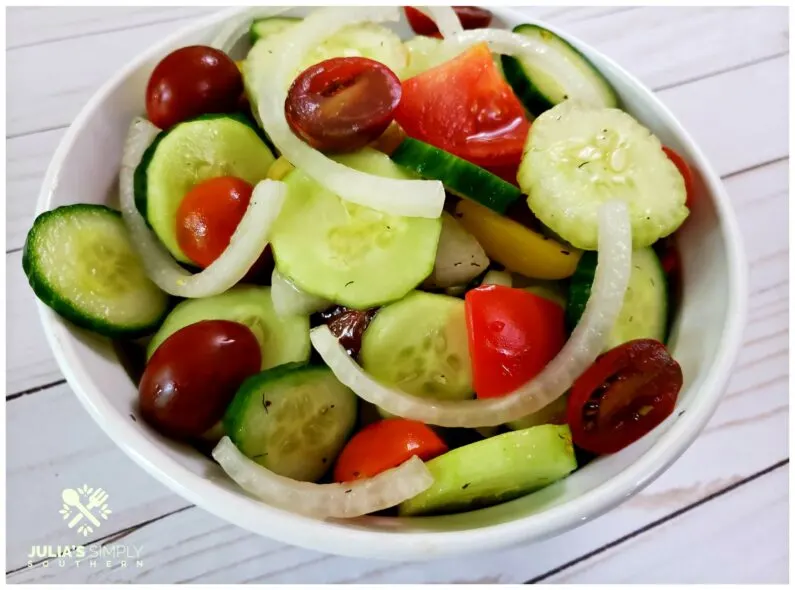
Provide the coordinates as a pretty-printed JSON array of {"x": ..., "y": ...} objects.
[{"x": 336, "y": 539}]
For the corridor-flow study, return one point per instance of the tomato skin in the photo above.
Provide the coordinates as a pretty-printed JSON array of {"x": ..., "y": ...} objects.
[
  {"x": 465, "y": 107},
  {"x": 192, "y": 81},
  {"x": 194, "y": 374},
  {"x": 384, "y": 445},
  {"x": 513, "y": 334},
  {"x": 685, "y": 171},
  {"x": 627, "y": 392},
  {"x": 471, "y": 17},
  {"x": 342, "y": 104}
]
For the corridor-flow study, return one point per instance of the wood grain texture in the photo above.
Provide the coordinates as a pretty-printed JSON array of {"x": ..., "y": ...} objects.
[{"x": 711, "y": 65}]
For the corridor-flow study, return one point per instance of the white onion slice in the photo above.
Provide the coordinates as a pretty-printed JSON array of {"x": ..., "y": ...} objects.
[
  {"x": 288, "y": 299},
  {"x": 587, "y": 341},
  {"x": 446, "y": 20},
  {"x": 245, "y": 247},
  {"x": 237, "y": 27},
  {"x": 508, "y": 43},
  {"x": 409, "y": 198},
  {"x": 330, "y": 500}
]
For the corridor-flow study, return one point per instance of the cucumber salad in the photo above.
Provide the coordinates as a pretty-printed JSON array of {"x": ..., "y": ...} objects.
[{"x": 374, "y": 275}]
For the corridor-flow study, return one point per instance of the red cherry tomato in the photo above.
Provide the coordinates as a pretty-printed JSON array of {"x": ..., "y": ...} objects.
[
  {"x": 471, "y": 17},
  {"x": 626, "y": 393},
  {"x": 192, "y": 81},
  {"x": 513, "y": 334},
  {"x": 384, "y": 445},
  {"x": 685, "y": 171},
  {"x": 208, "y": 216},
  {"x": 194, "y": 374},
  {"x": 342, "y": 104},
  {"x": 465, "y": 107}
]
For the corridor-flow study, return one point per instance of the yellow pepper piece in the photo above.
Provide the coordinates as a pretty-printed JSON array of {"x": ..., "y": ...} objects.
[
  {"x": 518, "y": 248},
  {"x": 279, "y": 169}
]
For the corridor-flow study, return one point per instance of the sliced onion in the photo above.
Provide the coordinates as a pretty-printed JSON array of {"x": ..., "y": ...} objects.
[
  {"x": 245, "y": 247},
  {"x": 288, "y": 299},
  {"x": 330, "y": 500},
  {"x": 528, "y": 49},
  {"x": 239, "y": 26},
  {"x": 586, "y": 343},
  {"x": 446, "y": 20},
  {"x": 410, "y": 198}
]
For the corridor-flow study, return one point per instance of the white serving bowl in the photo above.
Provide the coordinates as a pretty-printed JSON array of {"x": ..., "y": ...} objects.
[{"x": 705, "y": 340}]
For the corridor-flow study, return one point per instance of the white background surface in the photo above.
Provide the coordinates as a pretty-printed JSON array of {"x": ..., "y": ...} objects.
[{"x": 718, "y": 515}]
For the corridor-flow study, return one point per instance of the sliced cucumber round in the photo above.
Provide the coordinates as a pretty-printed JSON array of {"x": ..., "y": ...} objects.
[
  {"x": 576, "y": 158},
  {"x": 281, "y": 339},
  {"x": 188, "y": 154},
  {"x": 554, "y": 413},
  {"x": 419, "y": 345},
  {"x": 347, "y": 253},
  {"x": 80, "y": 261},
  {"x": 293, "y": 420},
  {"x": 540, "y": 89},
  {"x": 644, "y": 313},
  {"x": 266, "y": 27},
  {"x": 495, "y": 470},
  {"x": 458, "y": 176},
  {"x": 423, "y": 54}
]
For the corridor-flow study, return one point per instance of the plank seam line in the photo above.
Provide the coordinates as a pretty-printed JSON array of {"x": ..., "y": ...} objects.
[
  {"x": 658, "y": 522},
  {"x": 19, "y": 394}
]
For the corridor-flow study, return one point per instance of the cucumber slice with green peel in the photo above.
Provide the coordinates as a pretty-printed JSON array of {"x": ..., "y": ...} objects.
[
  {"x": 644, "y": 313},
  {"x": 540, "y": 89},
  {"x": 576, "y": 158},
  {"x": 554, "y": 413},
  {"x": 347, "y": 253},
  {"x": 293, "y": 419},
  {"x": 281, "y": 339},
  {"x": 266, "y": 27},
  {"x": 188, "y": 154},
  {"x": 79, "y": 261},
  {"x": 419, "y": 344},
  {"x": 495, "y": 470},
  {"x": 459, "y": 177}
]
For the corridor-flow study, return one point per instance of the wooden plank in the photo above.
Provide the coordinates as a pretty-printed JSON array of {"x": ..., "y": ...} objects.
[
  {"x": 668, "y": 56},
  {"x": 693, "y": 548}
]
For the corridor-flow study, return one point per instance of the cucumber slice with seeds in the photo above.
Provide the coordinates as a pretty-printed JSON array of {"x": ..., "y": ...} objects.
[
  {"x": 293, "y": 420},
  {"x": 576, "y": 158},
  {"x": 539, "y": 89},
  {"x": 495, "y": 470},
  {"x": 79, "y": 261}
]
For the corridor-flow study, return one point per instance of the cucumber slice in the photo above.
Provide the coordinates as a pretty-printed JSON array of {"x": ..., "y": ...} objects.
[
  {"x": 190, "y": 153},
  {"x": 577, "y": 158},
  {"x": 80, "y": 261},
  {"x": 644, "y": 313},
  {"x": 554, "y": 413},
  {"x": 281, "y": 339},
  {"x": 459, "y": 177},
  {"x": 266, "y": 27},
  {"x": 552, "y": 290},
  {"x": 419, "y": 345},
  {"x": 348, "y": 253},
  {"x": 540, "y": 89},
  {"x": 423, "y": 54},
  {"x": 495, "y": 470},
  {"x": 293, "y": 420}
]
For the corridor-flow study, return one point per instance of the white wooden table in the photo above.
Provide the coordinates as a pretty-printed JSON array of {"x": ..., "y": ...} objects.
[{"x": 718, "y": 515}]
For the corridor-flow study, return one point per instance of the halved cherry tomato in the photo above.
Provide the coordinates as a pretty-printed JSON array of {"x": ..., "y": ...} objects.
[
  {"x": 684, "y": 170},
  {"x": 465, "y": 107},
  {"x": 513, "y": 334},
  {"x": 626, "y": 393},
  {"x": 343, "y": 103},
  {"x": 471, "y": 17},
  {"x": 384, "y": 445}
]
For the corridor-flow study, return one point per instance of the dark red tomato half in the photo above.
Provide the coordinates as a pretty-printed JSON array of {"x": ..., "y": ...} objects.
[
  {"x": 627, "y": 392},
  {"x": 685, "y": 171},
  {"x": 471, "y": 17},
  {"x": 343, "y": 103},
  {"x": 465, "y": 107}
]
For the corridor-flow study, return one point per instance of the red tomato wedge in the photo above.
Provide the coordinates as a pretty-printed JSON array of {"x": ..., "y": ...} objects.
[
  {"x": 384, "y": 445},
  {"x": 513, "y": 334},
  {"x": 465, "y": 107},
  {"x": 685, "y": 171}
]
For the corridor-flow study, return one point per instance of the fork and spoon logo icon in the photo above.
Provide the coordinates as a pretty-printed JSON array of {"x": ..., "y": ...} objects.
[{"x": 83, "y": 505}]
